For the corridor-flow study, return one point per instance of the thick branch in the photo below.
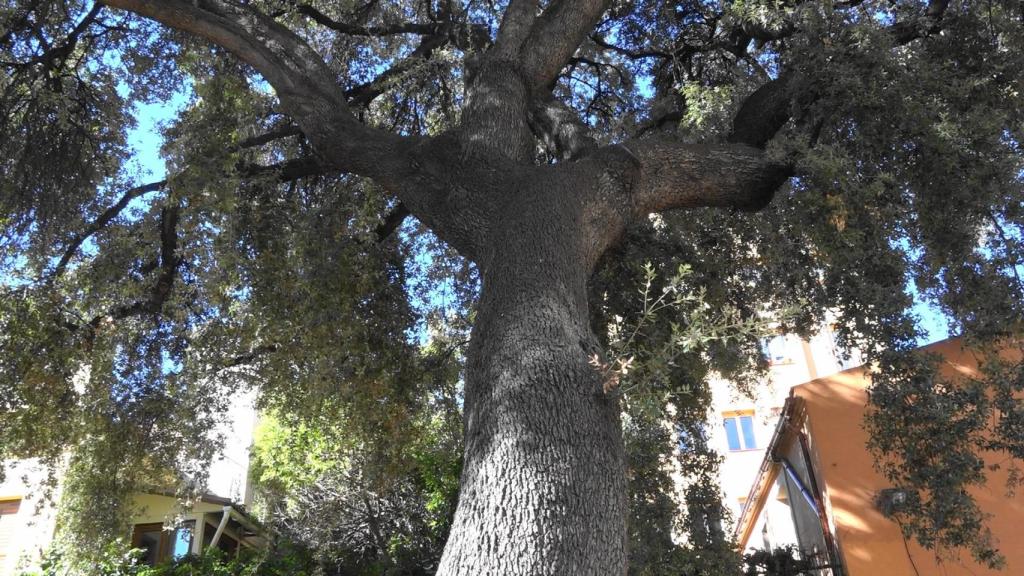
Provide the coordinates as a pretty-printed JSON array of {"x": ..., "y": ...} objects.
[
  {"x": 101, "y": 222},
  {"x": 767, "y": 110},
  {"x": 763, "y": 113},
  {"x": 514, "y": 29},
  {"x": 305, "y": 85},
  {"x": 556, "y": 35},
  {"x": 162, "y": 288},
  {"x": 416, "y": 169},
  {"x": 560, "y": 129},
  {"x": 676, "y": 175}
]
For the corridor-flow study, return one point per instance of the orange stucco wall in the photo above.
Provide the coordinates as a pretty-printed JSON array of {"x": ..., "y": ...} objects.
[{"x": 871, "y": 545}]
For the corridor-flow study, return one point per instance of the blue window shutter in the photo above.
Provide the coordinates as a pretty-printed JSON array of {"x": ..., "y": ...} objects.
[
  {"x": 747, "y": 423},
  {"x": 732, "y": 434}
]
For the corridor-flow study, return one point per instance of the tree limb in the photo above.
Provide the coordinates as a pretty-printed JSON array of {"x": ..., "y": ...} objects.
[
  {"x": 286, "y": 171},
  {"x": 162, "y": 288},
  {"x": 13, "y": 27},
  {"x": 101, "y": 222},
  {"x": 556, "y": 35},
  {"x": 357, "y": 30},
  {"x": 631, "y": 54},
  {"x": 763, "y": 113},
  {"x": 767, "y": 109},
  {"x": 256, "y": 141},
  {"x": 560, "y": 129},
  {"x": 463, "y": 36},
  {"x": 363, "y": 94},
  {"x": 908, "y": 31},
  {"x": 57, "y": 53},
  {"x": 303, "y": 82},
  {"x": 515, "y": 28},
  {"x": 250, "y": 356},
  {"x": 677, "y": 175}
]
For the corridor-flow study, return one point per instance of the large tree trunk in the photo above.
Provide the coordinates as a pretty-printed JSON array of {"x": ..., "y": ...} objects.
[{"x": 543, "y": 488}]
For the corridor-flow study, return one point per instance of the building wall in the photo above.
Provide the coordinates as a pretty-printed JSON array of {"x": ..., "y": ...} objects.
[
  {"x": 871, "y": 544},
  {"x": 793, "y": 361},
  {"x": 27, "y": 533},
  {"x": 33, "y": 526}
]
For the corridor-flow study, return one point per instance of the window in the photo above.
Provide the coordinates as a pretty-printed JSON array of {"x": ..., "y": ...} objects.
[
  {"x": 159, "y": 544},
  {"x": 776, "y": 350},
  {"x": 739, "y": 430},
  {"x": 8, "y": 510}
]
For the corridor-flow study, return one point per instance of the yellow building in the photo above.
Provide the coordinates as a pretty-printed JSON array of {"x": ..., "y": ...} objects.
[
  {"x": 817, "y": 488},
  {"x": 160, "y": 527}
]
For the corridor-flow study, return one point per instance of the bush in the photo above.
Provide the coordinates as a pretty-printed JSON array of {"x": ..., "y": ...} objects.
[{"x": 119, "y": 560}]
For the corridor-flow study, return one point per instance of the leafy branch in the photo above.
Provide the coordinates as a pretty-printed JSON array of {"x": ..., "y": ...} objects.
[{"x": 639, "y": 357}]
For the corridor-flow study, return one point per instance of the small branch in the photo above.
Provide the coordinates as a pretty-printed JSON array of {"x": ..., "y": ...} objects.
[
  {"x": 631, "y": 54},
  {"x": 357, "y": 30},
  {"x": 363, "y": 94},
  {"x": 905, "y": 32},
  {"x": 101, "y": 222},
  {"x": 19, "y": 23},
  {"x": 286, "y": 171},
  {"x": 56, "y": 53},
  {"x": 1007, "y": 246},
  {"x": 256, "y": 141},
  {"x": 250, "y": 356},
  {"x": 464, "y": 36}
]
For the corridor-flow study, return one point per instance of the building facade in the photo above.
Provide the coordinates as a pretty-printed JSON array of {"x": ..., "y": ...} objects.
[
  {"x": 741, "y": 426},
  {"x": 817, "y": 489},
  {"x": 160, "y": 526}
]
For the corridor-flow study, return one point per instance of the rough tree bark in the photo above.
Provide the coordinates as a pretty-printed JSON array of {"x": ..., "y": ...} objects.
[{"x": 543, "y": 489}]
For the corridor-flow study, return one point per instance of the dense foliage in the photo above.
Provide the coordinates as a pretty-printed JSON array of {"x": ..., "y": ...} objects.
[{"x": 133, "y": 307}]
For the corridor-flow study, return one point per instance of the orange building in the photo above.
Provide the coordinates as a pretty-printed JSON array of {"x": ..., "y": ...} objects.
[{"x": 817, "y": 487}]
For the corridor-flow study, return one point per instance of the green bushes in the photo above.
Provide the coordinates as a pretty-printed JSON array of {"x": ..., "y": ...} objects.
[{"x": 118, "y": 559}]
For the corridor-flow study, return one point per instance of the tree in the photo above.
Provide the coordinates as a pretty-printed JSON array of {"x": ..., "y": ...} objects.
[{"x": 555, "y": 148}]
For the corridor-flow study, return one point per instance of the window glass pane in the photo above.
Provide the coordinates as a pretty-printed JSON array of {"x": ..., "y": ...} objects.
[
  {"x": 732, "y": 434},
  {"x": 182, "y": 543},
  {"x": 747, "y": 424},
  {"x": 775, "y": 349}
]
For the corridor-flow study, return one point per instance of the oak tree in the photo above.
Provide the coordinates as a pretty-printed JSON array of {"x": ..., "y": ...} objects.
[{"x": 347, "y": 177}]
